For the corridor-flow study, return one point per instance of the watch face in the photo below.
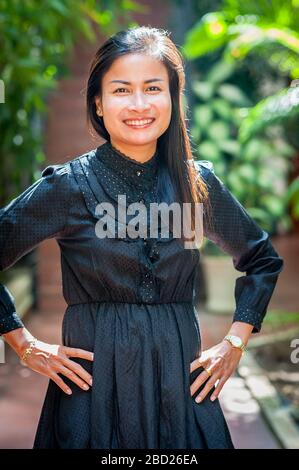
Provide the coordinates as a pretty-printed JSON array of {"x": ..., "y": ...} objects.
[{"x": 237, "y": 342}]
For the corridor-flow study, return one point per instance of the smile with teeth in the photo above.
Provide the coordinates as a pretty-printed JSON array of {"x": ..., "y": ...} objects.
[{"x": 139, "y": 122}]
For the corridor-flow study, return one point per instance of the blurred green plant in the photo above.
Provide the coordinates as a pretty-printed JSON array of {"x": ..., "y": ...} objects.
[
  {"x": 271, "y": 110},
  {"x": 254, "y": 171},
  {"x": 36, "y": 39},
  {"x": 292, "y": 198},
  {"x": 281, "y": 317},
  {"x": 266, "y": 29},
  {"x": 267, "y": 34}
]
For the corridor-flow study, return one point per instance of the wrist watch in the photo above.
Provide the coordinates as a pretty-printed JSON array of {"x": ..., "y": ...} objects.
[{"x": 236, "y": 342}]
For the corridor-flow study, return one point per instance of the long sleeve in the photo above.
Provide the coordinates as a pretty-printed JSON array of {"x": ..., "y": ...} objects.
[
  {"x": 40, "y": 212},
  {"x": 228, "y": 225}
]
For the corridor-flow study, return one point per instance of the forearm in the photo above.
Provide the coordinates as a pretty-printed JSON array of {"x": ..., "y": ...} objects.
[
  {"x": 18, "y": 339},
  {"x": 241, "y": 329}
]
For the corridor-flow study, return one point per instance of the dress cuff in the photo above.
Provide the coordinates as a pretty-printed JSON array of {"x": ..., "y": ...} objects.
[
  {"x": 247, "y": 315},
  {"x": 10, "y": 322}
]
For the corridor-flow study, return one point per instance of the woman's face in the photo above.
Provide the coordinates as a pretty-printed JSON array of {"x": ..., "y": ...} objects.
[{"x": 135, "y": 87}]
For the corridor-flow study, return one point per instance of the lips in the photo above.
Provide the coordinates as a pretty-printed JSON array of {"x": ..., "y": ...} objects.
[{"x": 139, "y": 123}]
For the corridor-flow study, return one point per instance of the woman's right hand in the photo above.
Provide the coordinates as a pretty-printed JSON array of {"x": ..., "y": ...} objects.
[{"x": 53, "y": 359}]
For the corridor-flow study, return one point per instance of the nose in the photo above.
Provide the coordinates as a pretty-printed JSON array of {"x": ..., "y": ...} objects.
[{"x": 139, "y": 102}]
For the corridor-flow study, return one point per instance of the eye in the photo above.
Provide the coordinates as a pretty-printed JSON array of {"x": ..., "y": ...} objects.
[
  {"x": 119, "y": 89},
  {"x": 153, "y": 86}
]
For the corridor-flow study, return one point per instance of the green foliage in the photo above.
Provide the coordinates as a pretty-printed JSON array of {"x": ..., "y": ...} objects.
[
  {"x": 36, "y": 39},
  {"x": 254, "y": 171},
  {"x": 271, "y": 110},
  {"x": 281, "y": 318},
  {"x": 264, "y": 35},
  {"x": 241, "y": 28},
  {"x": 292, "y": 197},
  {"x": 268, "y": 30}
]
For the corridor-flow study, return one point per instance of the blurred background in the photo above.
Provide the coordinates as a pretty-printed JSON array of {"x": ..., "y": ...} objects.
[{"x": 242, "y": 105}]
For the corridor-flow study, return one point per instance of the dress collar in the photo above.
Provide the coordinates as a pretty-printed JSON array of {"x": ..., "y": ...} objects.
[
  {"x": 133, "y": 172},
  {"x": 99, "y": 177}
]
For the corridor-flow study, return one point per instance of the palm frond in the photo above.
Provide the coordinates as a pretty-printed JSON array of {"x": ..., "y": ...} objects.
[{"x": 272, "y": 110}]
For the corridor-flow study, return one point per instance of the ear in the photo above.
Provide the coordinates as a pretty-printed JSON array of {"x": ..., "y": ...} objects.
[{"x": 98, "y": 104}]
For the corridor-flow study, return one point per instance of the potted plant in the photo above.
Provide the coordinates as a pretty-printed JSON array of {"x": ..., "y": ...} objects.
[{"x": 220, "y": 277}]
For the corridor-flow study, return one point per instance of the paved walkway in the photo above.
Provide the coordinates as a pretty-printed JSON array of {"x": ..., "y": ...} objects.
[{"x": 246, "y": 423}]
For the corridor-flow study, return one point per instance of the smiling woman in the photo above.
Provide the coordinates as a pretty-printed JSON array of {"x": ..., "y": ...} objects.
[
  {"x": 131, "y": 325},
  {"x": 144, "y": 80},
  {"x": 135, "y": 115}
]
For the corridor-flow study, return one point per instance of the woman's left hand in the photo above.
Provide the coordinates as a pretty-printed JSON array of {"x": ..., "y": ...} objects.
[{"x": 221, "y": 361}]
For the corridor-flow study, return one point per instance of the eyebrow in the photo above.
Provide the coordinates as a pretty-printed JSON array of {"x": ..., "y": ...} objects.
[{"x": 145, "y": 81}]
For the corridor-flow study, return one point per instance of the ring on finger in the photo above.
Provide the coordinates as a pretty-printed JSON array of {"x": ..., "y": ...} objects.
[{"x": 208, "y": 371}]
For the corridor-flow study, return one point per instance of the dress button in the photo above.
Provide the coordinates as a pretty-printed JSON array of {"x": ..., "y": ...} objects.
[
  {"x": 154, "y": 255},
  {"x": 138, "y": 172}
]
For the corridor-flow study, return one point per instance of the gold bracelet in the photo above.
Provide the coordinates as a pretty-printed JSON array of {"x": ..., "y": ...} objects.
[{"x": 28, "y": 350}]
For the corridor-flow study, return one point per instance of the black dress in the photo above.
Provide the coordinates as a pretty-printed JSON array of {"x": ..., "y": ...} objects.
[{"x": 130, "y": 300}]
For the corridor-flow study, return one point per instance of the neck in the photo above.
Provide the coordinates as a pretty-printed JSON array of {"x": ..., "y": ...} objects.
[{"x": 141, "y": 153}]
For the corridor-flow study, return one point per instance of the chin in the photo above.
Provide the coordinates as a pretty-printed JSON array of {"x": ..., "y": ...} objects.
[{"x": 140, "y": 140}]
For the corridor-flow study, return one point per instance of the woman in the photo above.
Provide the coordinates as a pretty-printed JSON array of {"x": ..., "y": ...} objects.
[{"x": 131, "y": 367}]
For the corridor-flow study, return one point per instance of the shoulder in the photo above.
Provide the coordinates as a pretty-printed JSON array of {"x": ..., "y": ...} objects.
[
  {"x": 54, "y": 170},
  {"x": 67, "y": 167},
  {"x": 205, "y": 170},
  {"x": 213, "y": 181},
  {"x": 204, "y": 166},
  {"x": 56, "y": 180},
  {"x": 63, "y": 174},
  {"x": 57, "y": 170}
]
